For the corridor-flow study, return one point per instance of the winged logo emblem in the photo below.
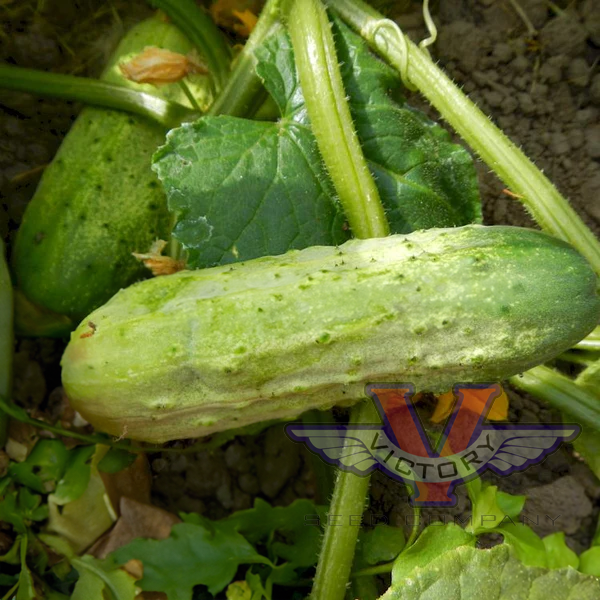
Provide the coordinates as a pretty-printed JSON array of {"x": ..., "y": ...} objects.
[{"x": 400, "y": 447}]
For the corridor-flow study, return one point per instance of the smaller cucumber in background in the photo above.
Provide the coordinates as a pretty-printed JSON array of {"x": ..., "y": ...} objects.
[
  {"x": 197, "y": 352},
  {"x": 6, "y": 339},
  {"x": 99, "y": 201}
]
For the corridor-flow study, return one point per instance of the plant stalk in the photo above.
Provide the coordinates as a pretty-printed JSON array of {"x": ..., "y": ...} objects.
[
  {"x": 591, "y": 342},
  {"x": 561, "y": 393},
  {"x": 202, "y": 32},
  {"x": 244, "y": 93},
  {"x": 332, "y": 125},
  {"x": 344, "y": 517},
  {"x": 329, "y": 113},
  {"x": 94, "y": 92},
  {"x": 539, "y": 196}
]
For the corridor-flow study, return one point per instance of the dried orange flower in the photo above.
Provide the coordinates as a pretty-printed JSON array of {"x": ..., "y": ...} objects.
[
  {"x": 159, "y": 66},
  {"x": 158, "y": 264}
]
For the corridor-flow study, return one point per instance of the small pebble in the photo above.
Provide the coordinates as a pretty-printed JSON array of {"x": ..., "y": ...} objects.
[
  {"x": 520, "y": 64},
  {"x": 592, "y": 140},
  {"x": 578, "y": 72},
  {"x": 595, "y": 89},
  {"x": 576, "y": 138},
  {"x": 560, "y": 144},
  {"x": 503, "y": 52},
  {"x": 550, "y": 73}
]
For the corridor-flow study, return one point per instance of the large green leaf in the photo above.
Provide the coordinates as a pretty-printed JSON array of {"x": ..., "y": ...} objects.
[
  {"x": 466, "y": 573},
  {"x": 423, "y": 178},
  {"x": 192, "y": 555},
  {"x": 242, "y": 189}
]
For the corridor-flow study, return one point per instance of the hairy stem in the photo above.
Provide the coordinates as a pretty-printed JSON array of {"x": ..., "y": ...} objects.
[
  {"x": 332, "y": 124},
  {"x": 244, "y": 93},
  {"x": 333, "y": 128},
  {"x": 345, "y": 512},
  {"x": 547, "y": 206},
  {"x": 94, "y": 92},
  {"x": 202, "y": 32}
]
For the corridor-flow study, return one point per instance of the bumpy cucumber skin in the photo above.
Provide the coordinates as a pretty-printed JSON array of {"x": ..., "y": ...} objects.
[
  {"x": 201, "y": 351},
  {"x": 98, "y": 201}
]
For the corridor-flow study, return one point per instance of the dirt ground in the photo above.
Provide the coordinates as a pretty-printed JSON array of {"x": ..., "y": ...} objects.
[{"x": 530, "y": 64}]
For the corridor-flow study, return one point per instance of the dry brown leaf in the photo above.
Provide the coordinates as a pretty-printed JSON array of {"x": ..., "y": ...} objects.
[
  {"x": 133, "y": 482},
  {"x": 134, "y": 567},
  {"x": 137, "y": 520},
  {"x": 22, "y": 437},
  {"x": 158, "y": 264}
]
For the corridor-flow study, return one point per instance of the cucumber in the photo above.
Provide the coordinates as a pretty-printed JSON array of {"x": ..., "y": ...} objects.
[
  {"x": 6, "y": 339},
  {"x": 99, "y": 201},
  {"x": 202, "y": 351}
]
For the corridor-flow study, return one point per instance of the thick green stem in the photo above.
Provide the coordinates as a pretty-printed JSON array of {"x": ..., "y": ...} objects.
[
  {"x": 591, "y": 342},
  {"x": 327, "y": 107},
  {"x": 6, "y": 340},
  {"x": 94, "y": 92},
  {"x": 244, "y": 93},
  {"x": 377, "y": 570},
  {"x": 345, "y": 514},
  {"x": 561, "y": 393},
  {"x": 332, "y": 124},
  {"x": 202, "y": 32},
  {"x": 547, "y": 206}
]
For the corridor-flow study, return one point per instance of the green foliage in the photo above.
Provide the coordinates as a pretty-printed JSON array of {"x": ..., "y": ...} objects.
[
  {"x": 381, "y": 544},
  {"x": 433, "y": 541},
  {"x": 97, "y": 577},
  {"x": 558, "y": 554},
  {"x": 243, "y": 189},
  {"x": 204, "y": 552},
  {"x": 466, "y": 572},
  {"x": 115, "y": 460}
]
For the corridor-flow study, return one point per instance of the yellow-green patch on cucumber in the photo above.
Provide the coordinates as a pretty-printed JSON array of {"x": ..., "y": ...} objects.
[{"x": 202, "y": 351}]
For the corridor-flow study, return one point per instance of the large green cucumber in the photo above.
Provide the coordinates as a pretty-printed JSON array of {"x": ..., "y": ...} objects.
[
  {"x": 201, "y": 351},
  {"x": 99, "y": 200}
]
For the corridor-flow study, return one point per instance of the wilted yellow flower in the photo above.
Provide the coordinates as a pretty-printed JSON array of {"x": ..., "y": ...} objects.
[
  {"x": 157, "y": 263},
  {"x": 235, "y": 15},
  {"x": 159, "y": 66}
]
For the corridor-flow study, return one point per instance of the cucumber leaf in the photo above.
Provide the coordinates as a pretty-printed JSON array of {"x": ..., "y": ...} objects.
[
  {"x": 242, "y": 189},
  {"x": 383, "y": 543},
  {"x": 466, "y": 572},
  {"x": 423, "y": 178},
  {"x": 99, "y": 579},
  {"x": 431, "y": 543},
  {"x": 192, "y": 555},
  {"x": 558, "y": 554}
]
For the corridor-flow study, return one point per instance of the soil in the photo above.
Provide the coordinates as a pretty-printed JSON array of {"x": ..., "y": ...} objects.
[{"x": 536, "y": 76}]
